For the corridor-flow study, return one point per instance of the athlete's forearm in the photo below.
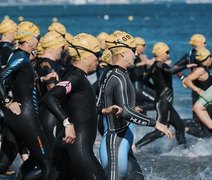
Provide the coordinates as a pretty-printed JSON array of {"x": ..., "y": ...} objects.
[
  {"x": 175, "y": 69},
  {"x": 52, "y": 101},
  {"x": 3, "y": 76},
  {"x": 137, "y": 118},
  {"x": 183, "y": 61}
]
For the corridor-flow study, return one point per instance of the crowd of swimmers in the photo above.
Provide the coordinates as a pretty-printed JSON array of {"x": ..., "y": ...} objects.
[{"x": 50, "y": 112}]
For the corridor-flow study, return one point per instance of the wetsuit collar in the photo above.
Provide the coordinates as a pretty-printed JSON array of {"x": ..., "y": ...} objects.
[
  {"x": 28, "y": 54},
  {"x": 119, "y": 67},
  {"x": 75, "y": 67}
]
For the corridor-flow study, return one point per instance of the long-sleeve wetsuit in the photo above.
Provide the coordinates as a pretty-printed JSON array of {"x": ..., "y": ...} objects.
[
  {"x": 118, "y": 131},
  {"x": 25, "y": 127},
  {"x": 7, "y": 157},
  {"x": 80, "y": 106},
  {"x": 187, "y": 58},
  {"x": 43, "y": 67},
  {"x": 161, "y": 75}
]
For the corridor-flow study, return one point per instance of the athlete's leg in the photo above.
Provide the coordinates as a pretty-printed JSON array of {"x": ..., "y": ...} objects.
[
  {"x": 134, "y": 170},
  {"x": 114, "y": 151},
  {"x": 49, "y": 124},
  {"x": 83, "y": 162},
  {"x": 30, "y": 132},
  {"x": 148, "y": 138},
  {"x": 162, "y": 115},
  {"x": 179, "y": 126},
  {"x": 9, "y": 150}
]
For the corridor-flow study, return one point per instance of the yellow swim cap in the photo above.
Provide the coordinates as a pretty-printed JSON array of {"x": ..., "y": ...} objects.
[
  {"x": 160, "y": 48},
  {"x": 106, "y": 56},
  {"x": 202, "y": 54},
  {"x": 52, "y": 40},
  {"x": 58, "y": 27},
  {"x": 68, "y": 38},
  {"x": 196, "y": 38},
  {"x": 139, "y": 41},
  {"x": 25, "y": 31},
  {"x": 7, "y": 26},
  {"x": 119, "y": 42},
  {"x": 83, "y": 45},
  {"x": 102, "y": 36}
]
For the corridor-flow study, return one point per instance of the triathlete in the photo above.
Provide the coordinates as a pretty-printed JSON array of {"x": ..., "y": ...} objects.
[
  {"x": 197, "y": 41},
  {"x": 77, "y": 113},
  {"x": 53, "y": 45},
  {"x": 7, "y": 45},
  {"x": 21, "y": 109},
  {"x": 161, "y": 75},
  {"x": 200, "y": 80},
  {"x": 119, "y": 131}
]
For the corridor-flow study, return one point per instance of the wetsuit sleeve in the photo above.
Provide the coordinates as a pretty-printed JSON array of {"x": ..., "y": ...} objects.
[
  {"x": 170, "y": 70},
  {"x": 121, "y": 99},
  {"x": 5, "y": 73},
  {"x": 47, "y": 70},
  {"x": 52, "y": 99},
  {"x": 3, "y": 93},
  {"x": 183, "y": 61},
  {"x": 146, "y": 78}
]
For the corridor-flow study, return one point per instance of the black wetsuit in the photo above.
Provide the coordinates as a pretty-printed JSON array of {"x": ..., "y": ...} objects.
[
  {"x": 161, "y": 75},
  {"x": 145, "y": 95},
  {"x": 6, "y": 49},
  {"x": 43, "y": 67},
  {"x": 97, "y": 85},
  {"x": 25, "y": 127},
  {"x": 80, "y": 106},
  {"x": 6, "y": 159},
  {"x": 119, "y": 131}
]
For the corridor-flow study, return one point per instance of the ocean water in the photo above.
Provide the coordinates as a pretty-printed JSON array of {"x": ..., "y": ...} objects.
[{"x": 171, "y": 23}]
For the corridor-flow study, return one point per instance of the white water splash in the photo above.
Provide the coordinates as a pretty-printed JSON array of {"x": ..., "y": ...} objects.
[
  {"x": 205, "y": 174},
  {"x": 197, "y": 147}
]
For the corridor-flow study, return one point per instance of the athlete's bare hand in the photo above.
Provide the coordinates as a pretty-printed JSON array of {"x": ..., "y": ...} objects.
[
  {"x": 145, "y": 60},
  {"x": 70, "y": 135},
  {"x": 53, "y": 74},
  {"x": 138, "y": 109},
  {"x": 114, "y": 109},
  {"x": 14, "y": 107},
  {"x": 191, "y": 65},
  {"x": 163, "y": 128}
]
